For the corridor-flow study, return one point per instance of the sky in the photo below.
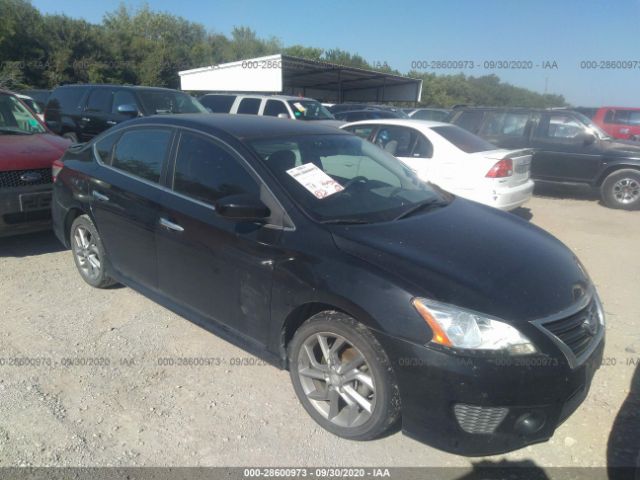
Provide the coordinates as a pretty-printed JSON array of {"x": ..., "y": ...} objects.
[{"x": 558, "y": 34}]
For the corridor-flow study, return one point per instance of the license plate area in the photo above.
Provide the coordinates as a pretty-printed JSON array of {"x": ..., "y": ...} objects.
[{"x": 30, "y": 202}]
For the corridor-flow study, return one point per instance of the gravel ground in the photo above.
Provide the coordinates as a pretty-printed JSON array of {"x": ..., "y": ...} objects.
[{"x": 127, "y": 410}]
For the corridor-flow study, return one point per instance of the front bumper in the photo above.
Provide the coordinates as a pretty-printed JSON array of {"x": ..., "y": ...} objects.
[
  {"x": 25, "y": 209},
  {"x": 476, "y": 406}
]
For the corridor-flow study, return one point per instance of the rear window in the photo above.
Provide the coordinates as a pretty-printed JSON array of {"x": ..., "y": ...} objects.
[
  {"x": 218, "y": 103},
  {"x": 249, "y": 106},
  {"x": 465, "y": 141},
  {"x": 68, "y": 98}
]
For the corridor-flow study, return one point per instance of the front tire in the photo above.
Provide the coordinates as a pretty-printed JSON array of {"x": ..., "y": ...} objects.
[
  {"x": 621, "y": 189},
  {"x": 343, "y": 377},
  {"x": 88, "y": 252}
]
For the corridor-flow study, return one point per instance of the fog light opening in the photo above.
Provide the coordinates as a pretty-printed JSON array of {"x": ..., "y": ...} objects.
[{"x": 530, "y": 423}]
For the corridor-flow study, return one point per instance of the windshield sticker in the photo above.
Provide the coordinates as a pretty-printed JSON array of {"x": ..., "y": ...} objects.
[
  {"x": 315, "y": 180},
  {"x": 299, "y": 106}
]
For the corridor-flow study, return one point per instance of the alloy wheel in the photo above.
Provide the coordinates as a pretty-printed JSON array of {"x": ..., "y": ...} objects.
[
  {"x": 87, "y": 254},
  {"x": 626, "y": 190},
  {"x": 337, "y": 379}
]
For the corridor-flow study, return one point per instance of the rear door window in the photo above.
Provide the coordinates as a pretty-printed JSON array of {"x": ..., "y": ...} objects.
[
  {"x": 249, "y": 106},
  {"x": 99, "y": 100},
  {"x": 142, "y": 152},
  {"x": 510, "y": 124},
  {"x": 67, "y": 99},
  {"x": 398, "y": 141},
  {"x": 123, "y": 97}
]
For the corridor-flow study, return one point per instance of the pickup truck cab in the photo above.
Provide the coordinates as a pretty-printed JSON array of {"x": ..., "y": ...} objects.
[
  {"x": 619, "y": 122},
  {"x": 568, "y": 148}
]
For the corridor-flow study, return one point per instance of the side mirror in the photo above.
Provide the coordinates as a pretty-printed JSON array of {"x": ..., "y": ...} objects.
[
  {"x": 128, "y": 109},
  {"x": 242, "y": 207},
  {"x": 283, "y": 115},
  {"x": 588, "y": 138}
]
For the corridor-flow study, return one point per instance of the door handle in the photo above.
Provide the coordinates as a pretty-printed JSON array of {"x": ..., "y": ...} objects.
[
  {"x": 111, "y": 122},
  {"x": 100, "y": 197},
  {"x": 170, "y": 225},
  {"x": 85, "y": 119}
]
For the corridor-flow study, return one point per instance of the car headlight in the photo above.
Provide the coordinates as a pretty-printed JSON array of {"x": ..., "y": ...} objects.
[
  {"x": 459, "y": 328},
  {"x": 599, "y": 309}
]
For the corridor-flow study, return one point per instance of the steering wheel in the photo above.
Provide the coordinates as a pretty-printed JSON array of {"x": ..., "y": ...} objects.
[{"x": 354, "y": 180}]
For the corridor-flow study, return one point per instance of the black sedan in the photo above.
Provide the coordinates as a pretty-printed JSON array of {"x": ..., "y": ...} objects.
[{"x": 390, "y": 301}]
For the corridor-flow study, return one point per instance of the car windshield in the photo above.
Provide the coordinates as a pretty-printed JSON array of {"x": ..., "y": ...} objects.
[
  {"x": 344, "y": 179},
  {"x": 15, "y": 118},
  {"x": 309, "y": 110},
  {"x": 160, "y": 102},
  {"x": 465, "y": 141}
]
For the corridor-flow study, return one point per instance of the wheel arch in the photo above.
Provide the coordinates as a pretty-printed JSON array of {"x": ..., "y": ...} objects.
[
  {"x": 614, "y": 168},
  {"x": 72, "y": 214}
]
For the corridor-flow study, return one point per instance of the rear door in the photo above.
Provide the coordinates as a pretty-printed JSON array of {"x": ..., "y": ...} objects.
[
  {"x": 508, "y": 129},
  {"x": 124, "y": 201},
  {"x": 219, "y": 268},
  {"x": 561, "y": 153}
]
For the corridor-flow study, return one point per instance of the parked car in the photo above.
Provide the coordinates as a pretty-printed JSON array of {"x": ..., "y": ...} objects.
[
  {"x": 619, "y": 122},
  {"x": 281, "y": 106},
  {"x": 27, "y": 152},
  {"x": 569, "y": 148},
  {"x": 80, "y": 112},
  {"x": 32, "y": 104},
  {"x": 40, "y": 96},
  {"x": 388, "y": 299},
  {"x": 357, "y": 115},
  {"x": 454, "y": 159},
  {"x": 352, "y": 107},
  {"x": 435, "y": 114}
]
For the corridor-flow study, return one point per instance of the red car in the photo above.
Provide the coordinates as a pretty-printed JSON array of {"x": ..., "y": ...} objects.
[
  {"x": 619, "y": 122},
  {"x": 27, "y": 152}
]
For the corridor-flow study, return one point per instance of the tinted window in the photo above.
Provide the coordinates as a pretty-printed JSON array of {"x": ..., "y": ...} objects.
[
  {"x": 208, "y": 172},
  {"x": 623, "y": 117},
  {"x": 510, "y": 124},
  {"x": 435, "y": 115},
  {"x": 218, "y": 103},
  {"x": 142, "y": 152},
  {"x": 423, "y": 148},
  {"x": 469, "y": 120},
  {"x": 104, "y": 148},
  {"x": 274, "y": 108},
  {"x": 67, "y": 98},
  {"x": 99, "y": 100},
  {"x": 249, "y": 105},
  {"x": 465, "y": 141},
  {"x": 123, "y": 97}
]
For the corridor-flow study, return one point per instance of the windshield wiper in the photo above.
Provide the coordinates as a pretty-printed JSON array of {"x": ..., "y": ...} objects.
[
  {"x": 427, "y": 204},
  {"x": 15, "y": 131},
  {"x": 344, "y": 221}
]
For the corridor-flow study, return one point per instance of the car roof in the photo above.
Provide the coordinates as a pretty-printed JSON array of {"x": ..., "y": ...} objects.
[
  {"x": 135, "y": 87},
  {"x": 260, "y": 95},
  {"x": 404, "y": 122},
  {"x": 244, "y": 127}
]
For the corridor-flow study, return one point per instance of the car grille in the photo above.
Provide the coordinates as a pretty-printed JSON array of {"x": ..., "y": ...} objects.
[
  {"x": 577, "y": 331},
  {"x": 24, "y": 178},
  {"x": 479, "y": 420}
]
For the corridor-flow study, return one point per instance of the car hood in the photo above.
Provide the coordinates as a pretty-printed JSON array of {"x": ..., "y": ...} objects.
[
  {"x": 476, "y": 257},
  {"x": 621, "y": 148},
  {"x": 23, "y": 152}
]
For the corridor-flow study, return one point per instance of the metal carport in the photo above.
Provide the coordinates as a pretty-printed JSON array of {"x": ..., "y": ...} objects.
[{"x": 284, "y": 74}]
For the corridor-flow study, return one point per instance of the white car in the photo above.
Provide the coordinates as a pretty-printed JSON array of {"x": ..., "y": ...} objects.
[{"x": 454, "y": 159}]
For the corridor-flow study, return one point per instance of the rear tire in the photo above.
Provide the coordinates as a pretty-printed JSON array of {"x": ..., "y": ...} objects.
[
  {"x": 621, "y": 189},
  {"x": 88, "y": 253},
  {"x": 343, "y": 377}
]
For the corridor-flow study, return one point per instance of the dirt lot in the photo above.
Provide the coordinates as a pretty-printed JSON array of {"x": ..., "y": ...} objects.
[{"x": 130, "y": 410}]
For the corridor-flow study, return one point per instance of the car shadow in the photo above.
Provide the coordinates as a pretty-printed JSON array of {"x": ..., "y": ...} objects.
[
  {"x": 31, "y": 244},
  {"x": 565, "y": 191},
  {"x": 523, "y": 212},
  {"x": 623, "y": 447},
  {"x": 505, "y": 469}
]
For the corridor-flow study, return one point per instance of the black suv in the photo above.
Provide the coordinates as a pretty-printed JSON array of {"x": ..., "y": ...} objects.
[
  {"x": 568, "y": 148},
  {"x": 80, "y": 112}
]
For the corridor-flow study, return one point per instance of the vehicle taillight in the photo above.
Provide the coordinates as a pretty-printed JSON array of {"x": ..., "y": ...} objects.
[
  {"x": 55, "y": 169},
  {"x": 504, "y": 168}
]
